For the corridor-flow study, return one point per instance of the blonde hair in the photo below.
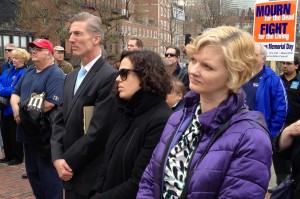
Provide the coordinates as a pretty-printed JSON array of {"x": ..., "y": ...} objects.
[
  {"x": 19, "y": 52},
  {"x": 238, "y": 50}
]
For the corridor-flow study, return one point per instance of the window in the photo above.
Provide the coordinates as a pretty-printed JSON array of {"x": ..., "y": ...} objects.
[
  {"x": 129, "y": 30},
  {"x": 16, "y": 41},
  {"x": 6, "y": 40},
  {"x": 23, "y": 42}
]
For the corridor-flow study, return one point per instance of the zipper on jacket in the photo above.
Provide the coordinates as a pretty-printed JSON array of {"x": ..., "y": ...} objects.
[
  {"x": 124, "y": 177},
  {"x": 167, "y": 151}
]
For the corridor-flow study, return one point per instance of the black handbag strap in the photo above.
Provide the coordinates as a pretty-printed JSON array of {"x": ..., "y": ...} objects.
[{"x": 191, "y": 172}]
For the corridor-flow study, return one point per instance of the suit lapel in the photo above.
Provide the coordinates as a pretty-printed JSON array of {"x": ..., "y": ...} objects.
[{"x": 89, "y": 76}]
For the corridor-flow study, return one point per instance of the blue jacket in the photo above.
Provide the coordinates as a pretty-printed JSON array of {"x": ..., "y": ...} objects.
[
  {"x": 271, "y": 100},
  {"x": 234, "y": 166},
  {"x": 8, "y": 80}
]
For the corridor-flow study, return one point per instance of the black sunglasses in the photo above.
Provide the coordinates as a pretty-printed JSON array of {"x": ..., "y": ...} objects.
[
  {"x": 124, "y": 72},
  {"x": 170, "y": 54},
  {"x": 9, "y": 50}
]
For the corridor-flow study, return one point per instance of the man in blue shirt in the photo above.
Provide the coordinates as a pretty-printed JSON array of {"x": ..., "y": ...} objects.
[
  {"x": 34, "y": 130},
  {"x": 266, "y": 93}
]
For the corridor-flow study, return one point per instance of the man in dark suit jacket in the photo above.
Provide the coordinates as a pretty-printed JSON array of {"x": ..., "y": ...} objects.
[{"x": 77, "y": 156}]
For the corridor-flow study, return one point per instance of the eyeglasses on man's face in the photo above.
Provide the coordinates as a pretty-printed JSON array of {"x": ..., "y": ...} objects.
[
  {"x": 170, "y": 54},
  {"x": 287, "y": 63},
  {"x": 37, "y": 49},
  {"x": 123, "y": 73},
  {"x": 9, "y": 50}
]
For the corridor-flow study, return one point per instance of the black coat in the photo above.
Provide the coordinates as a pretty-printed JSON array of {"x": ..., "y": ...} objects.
[
  {"x": 132, "y": 141},
  {"x": 84, "y": 153}
]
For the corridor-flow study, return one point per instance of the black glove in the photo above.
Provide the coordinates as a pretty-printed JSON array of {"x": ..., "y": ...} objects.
[{"x": 23, "y": 105}]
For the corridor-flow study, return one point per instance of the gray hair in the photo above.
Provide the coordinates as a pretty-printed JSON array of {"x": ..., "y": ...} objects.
[
  {"x": 11, "y": 45},
  {"x": 94, "y": 22},
  {"x": 263, "y": 50},
  {"x": 47, "y": 52}
]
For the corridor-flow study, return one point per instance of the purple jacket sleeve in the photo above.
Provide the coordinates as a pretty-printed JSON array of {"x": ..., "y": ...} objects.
[
  {"x": 249, "y": 171},
  {"x": 146, "y": 187}
]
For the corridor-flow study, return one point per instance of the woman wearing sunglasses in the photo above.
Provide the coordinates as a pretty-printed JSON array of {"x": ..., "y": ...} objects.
[
  {"x": 142, "y": 87},
  {"x": 214, "y": 147}
]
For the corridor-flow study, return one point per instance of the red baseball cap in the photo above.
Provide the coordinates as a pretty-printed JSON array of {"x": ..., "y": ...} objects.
[{"x": 42, "y": 43}]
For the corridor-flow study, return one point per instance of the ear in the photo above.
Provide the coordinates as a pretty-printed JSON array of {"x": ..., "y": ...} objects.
[
  {"x": 97, "y": 39},
  {"x": 179, "y": 96}
]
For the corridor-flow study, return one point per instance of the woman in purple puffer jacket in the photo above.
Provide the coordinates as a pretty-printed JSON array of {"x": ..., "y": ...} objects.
[{"x": 191, "y": 161}]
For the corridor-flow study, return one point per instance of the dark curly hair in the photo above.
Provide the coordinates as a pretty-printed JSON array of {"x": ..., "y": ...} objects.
[{"x": 150, "y": 68}]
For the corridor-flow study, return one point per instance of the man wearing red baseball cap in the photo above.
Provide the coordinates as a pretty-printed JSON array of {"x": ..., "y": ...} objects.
[{"x": 33, "y": 101}]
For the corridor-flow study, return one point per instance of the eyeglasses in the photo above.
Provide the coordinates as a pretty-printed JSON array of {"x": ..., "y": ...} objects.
[
  {"x": 36, "y": 49},
  {"x": 287, "y": 63},
  {"x": 170, "y": 54},
  {"x": 9, "y": 50},
  {"x": 124, "y": 72}
]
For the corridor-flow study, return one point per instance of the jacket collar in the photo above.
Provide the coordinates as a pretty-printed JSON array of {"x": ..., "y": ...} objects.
[
  {"x": 177, "y": 70},
  {"x": 212, "y": 119},
  {"x": 140, "y": 102}
]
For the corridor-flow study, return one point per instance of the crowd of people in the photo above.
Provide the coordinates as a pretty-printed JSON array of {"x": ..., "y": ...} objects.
[{"x": 155, "y": 129}]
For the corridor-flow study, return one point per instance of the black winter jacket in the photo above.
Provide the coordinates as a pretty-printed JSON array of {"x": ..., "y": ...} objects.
[{"x": 131, "y": 143}]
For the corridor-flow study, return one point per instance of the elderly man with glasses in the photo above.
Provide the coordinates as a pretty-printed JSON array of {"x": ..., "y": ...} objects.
[
  {"x": 33, "y": 102},
  {"x": 8, "y": 57},
  {"x": 172, "y": 58},
  {"x": 266, "y": 93}
]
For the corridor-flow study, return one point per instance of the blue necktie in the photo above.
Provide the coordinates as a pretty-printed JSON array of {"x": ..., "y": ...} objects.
[{"x": 79, "y": 79}]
